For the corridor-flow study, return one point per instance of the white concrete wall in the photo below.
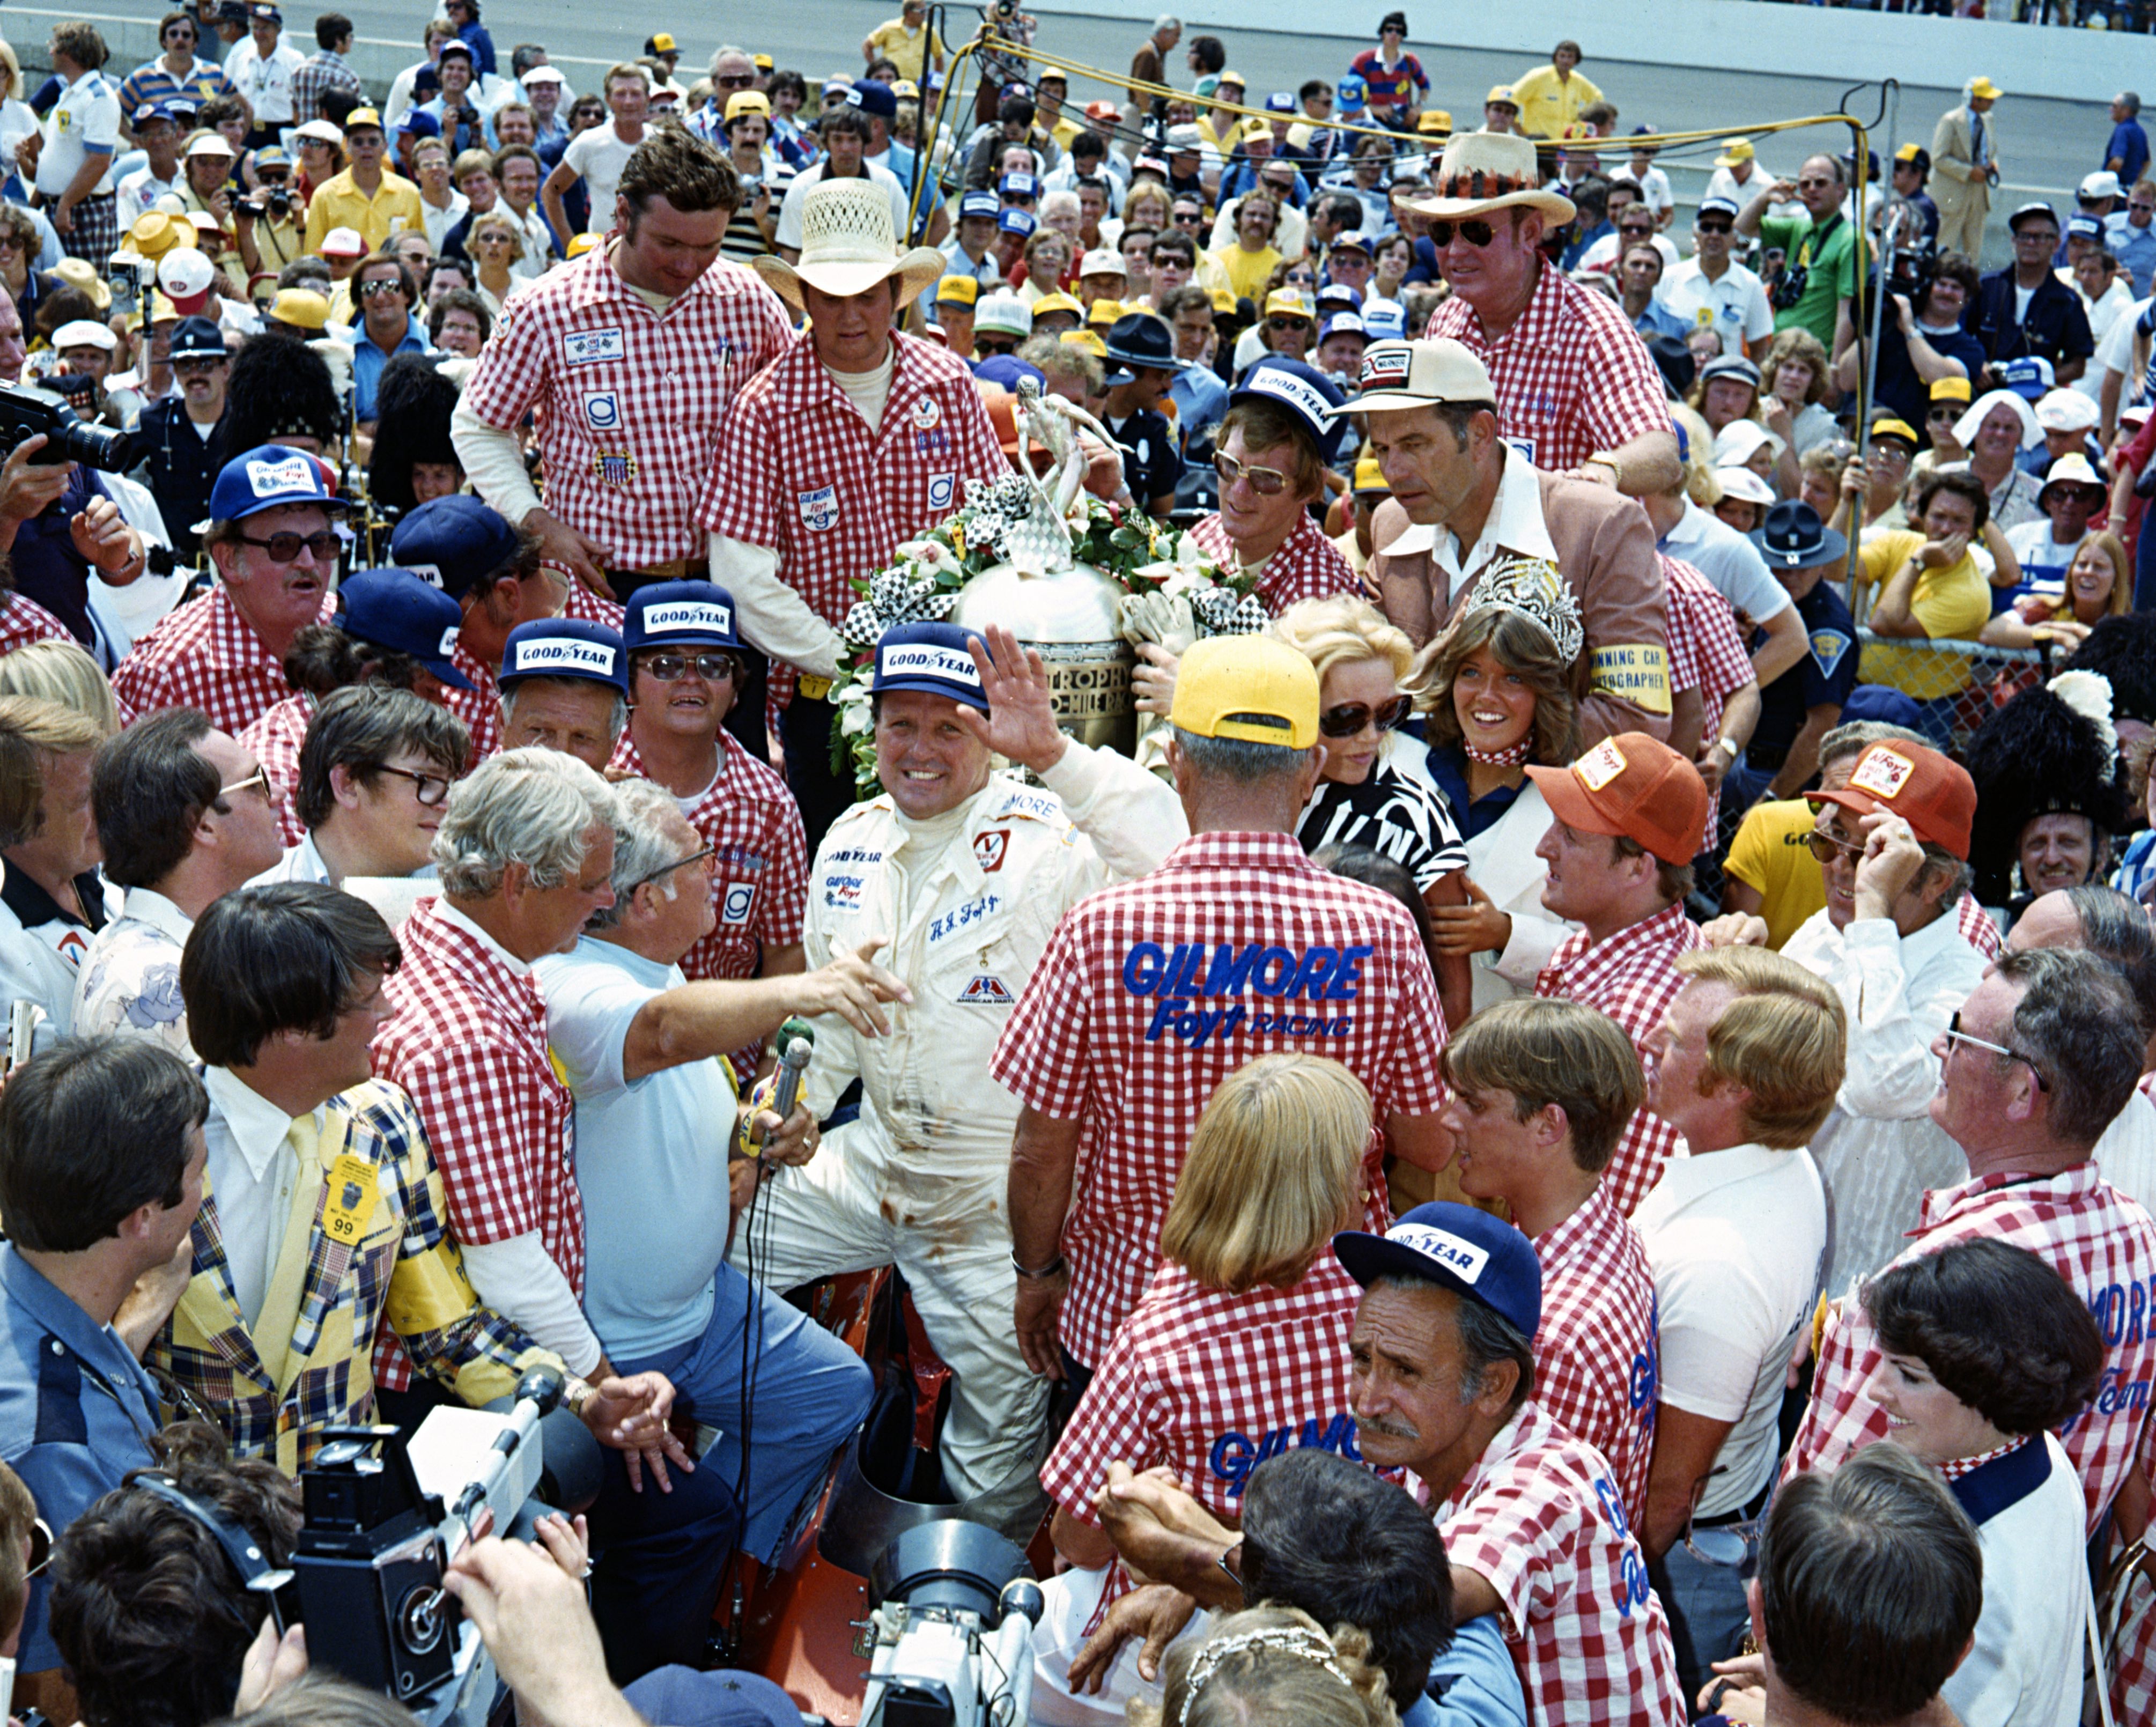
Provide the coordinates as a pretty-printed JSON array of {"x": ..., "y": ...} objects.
[{"x": 1795, "y": 40}]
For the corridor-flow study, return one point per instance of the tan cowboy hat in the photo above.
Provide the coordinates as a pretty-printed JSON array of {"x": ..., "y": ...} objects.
[
  {"x": 848, "y": 246},
  {"x": 1480, "y": 171}
]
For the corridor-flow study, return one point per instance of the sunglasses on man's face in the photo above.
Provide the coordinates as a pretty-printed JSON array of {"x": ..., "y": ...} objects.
[
  {"x": 1715, "y": 227},
  {"x": 1944, "y": 414},
  {"x": 735, "y": 81},
  {"x": 1475, "y": 233},
  {"x": 1280, "y": 324},
  {"x": 1266, "y": 483}
]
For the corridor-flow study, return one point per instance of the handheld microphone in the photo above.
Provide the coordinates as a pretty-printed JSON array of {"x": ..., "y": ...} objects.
[{"x": 796, "y": 1040}]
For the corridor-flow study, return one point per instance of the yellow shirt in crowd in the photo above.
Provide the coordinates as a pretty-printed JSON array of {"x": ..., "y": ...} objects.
[
  {"x": 1549, "y": 103},
  {"x": 1770, "y": 856},
  {"x": 905, "y": 48},
  {"x": 1951, "y": 603},
  {"x": 340, "y": 204}
]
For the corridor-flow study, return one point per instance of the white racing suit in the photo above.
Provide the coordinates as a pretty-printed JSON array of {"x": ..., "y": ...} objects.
[{"x": 966, "y": 904}]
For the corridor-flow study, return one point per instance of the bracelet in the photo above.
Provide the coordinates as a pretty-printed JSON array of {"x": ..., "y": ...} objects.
[
  {"x": 1054, "y": 1267},
  {"x": 1228, "y": 1570}
]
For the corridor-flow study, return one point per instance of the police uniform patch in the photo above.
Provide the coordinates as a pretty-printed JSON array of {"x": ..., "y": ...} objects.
[{"x": 1828, "y": 646}]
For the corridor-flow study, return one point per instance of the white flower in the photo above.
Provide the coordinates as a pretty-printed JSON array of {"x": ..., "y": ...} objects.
[
  {"x": 855, "y": 716},
  {"x": 929, "y": 557}
]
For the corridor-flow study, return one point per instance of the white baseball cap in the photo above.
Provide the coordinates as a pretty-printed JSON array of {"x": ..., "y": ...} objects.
[
  {"x": 185, "y": 272},
  {"x": 2067, "y": 411},
  {"x": 84, "y": 333},
  {"x": 343, "y": 242},
  {"x": 1103, "y": 261},
  {"x": 212, "y": 143},
  {"x": 328, "y": 131},
  {"x": 1414, "y": 374},
  {"x": 543, "y": 75}
]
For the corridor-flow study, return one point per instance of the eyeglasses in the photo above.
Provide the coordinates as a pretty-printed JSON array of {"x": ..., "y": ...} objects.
[
  {"x": 1946, "y": 412},
  {"x": 429, "y": 789},
  {"x": 1349, "y": 718},
  {"x": 1475, "y": 233},
  {"x": 284, "y": 547},
  {"x": 670, "y": 668},
  {"x": 257, "y": 782},
  {"x": 1826, "y": 846},
  {"x": 1715, "y": 227},
  {"x": 1266, "y": 483},
  {"x": 375, "y": 290},
  {"x": 1287, "y": 323},
  {"x": 1188, "y": 218},
  {"x": 1956, "y": 1035},
  {"x": 680, "y": 863}
]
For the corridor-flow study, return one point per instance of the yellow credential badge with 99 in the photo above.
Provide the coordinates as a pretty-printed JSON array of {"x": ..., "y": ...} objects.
[
  {"x": 1634, "y": 671},
  {"x": 351, "y": 1198}
]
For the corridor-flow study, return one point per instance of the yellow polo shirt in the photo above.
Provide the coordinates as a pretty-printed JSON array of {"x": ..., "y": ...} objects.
[
  {"x": 1771, "y": 855},
  {"x": 339, "y": 203},
  {"x": 905, "y": 49},
  {"x": 1549, "y": 103},
  {"x": 1953, "y": 603}
]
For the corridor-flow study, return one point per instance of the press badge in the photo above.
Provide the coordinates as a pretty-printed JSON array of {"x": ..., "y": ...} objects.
[
  {"x": 1634, "y": 671},
  {"x": 352, "y": 1181}
]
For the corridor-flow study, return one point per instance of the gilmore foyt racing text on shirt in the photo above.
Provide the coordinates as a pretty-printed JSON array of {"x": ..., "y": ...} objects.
[{"x": 1304, "y": 993}]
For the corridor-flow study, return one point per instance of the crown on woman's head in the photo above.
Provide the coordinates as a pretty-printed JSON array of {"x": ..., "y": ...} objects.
[{"x": 1536, "y": 588}]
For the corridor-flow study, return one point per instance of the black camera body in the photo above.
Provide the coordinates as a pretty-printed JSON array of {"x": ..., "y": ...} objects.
[
  {"x": 25, "y": 412},
  {"x": 369, "y": 1563}
]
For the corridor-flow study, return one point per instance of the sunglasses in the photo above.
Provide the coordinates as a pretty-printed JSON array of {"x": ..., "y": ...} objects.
[
  {"x": 258, "y": 781},
  {"x": 1188, "y": 218},
  {"x": 1826, "y": 846},
  {"x": 671, "y": 668},
  {"x": 429, "y": 789},
  {"x": 1266, "y": 483},
  {"x": 680, "y": 863},
  {"x": 1956, "y": 1035},
  {"x": 1285, "y": 323},
  {"x": 1715, "y": 227},
  {"x": 1475, "y": 233},
  {"x": 375, "y": 290},
  {"x": 1351, "y": 718},
  {"x": 1944, "y": 414},
  {"x": 735, "y": 82},
  {"x": 284, "y": 547}
]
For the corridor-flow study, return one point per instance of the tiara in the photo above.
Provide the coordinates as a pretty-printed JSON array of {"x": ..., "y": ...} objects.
[
  {"x": 1535, "y": 589},
  {"x": 1297, "y": 1640}
]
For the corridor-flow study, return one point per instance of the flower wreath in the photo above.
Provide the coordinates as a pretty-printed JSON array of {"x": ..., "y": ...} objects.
[{"x": 1000, "y": 521}]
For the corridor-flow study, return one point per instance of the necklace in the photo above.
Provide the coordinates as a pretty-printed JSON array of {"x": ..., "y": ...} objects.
[{"x": 1511, "y": 757}]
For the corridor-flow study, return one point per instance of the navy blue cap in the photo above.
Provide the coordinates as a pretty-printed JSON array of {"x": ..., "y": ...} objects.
[
  {"x": 1343, "y": 323},
  {"x": 1308, "y": 393},
  {"x": 148, "y": 111},
  {"x": 979, "y": 203},
  {"x": 932, "y": 658},
  {"x": 268, "y": 477},
  {"x": 1280, "y": 102},
  {"x": 453, "y": 542},
  {"x": 1019, "y": 186},
  {"x": 2029, "y": 376},
  {"x": 1005, "y": 370},
  {"x": 686, "y": 614},
  {"x": 873, "y": 96},
  {"x": 1016, "y": 222},
  {"x": 1468, "y": 1251},
  {"x": 2088, "y": 227},
  {"x": 454, "y": 46},
  {"x": 424, "y": 126},
  {"x": 1338, "y": 295},
  {"x": 395, "y": 609},
  {"x": 565, "y": 647}
]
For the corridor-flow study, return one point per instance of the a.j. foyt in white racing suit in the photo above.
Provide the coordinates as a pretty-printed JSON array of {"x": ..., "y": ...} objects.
[{"x": 966, "y": 903}]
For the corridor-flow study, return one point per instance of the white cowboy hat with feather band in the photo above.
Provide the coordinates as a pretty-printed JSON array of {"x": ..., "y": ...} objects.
[
  {"x": 1482, "y": 171},
  {"x": 848, "y": 246}
]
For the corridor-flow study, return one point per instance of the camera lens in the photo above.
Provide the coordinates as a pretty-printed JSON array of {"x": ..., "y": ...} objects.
[{"x": 102, "y": 447}]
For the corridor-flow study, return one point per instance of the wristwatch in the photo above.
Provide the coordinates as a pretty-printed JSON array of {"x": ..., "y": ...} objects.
[
  {"x": 575, "y": 1394},
  {"x": 1053, "y": 1268},
  {"x": 1602, "y": 458}
]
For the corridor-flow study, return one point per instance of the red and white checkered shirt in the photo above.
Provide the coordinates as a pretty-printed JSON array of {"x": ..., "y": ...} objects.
[
  {"x": 1305, "y": 566},
  {"x": 1977, "y": 928},
  {"x": 1705, "y": 652},
  {"x": 1539, "y": 1517},
  {"x": 1633, "y": 978},
  {"x": 1153, "y": 991},
  {"x": 480, "y": 707},
  {"x": 1211, "y": 1384},
  {"x": 1571, "y": 375},
  {"x": 2097, "y": 1239},
  {"x": 205, "y": 656},
  {"x": 803, "y": 473},
  {"x": 467, "y": 1038},
  {"x": 760, "y": 883},
  {"x": 274, "y": 741},
  {"x": 22, "y": 620},
  {"x": 628, "y": 401},
  {"x": 1597, "y": 1368}
]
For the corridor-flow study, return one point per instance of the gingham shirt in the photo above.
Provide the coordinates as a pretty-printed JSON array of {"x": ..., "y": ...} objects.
[
  {"x": 467, "y": 1038},
  {"x": 761, "y": 881},
  {"x": 1976, "y": 927},
  {"x": 22, "y": 620},
  {"x": 318, "y": 75},
  {"x": 803, "y": 473},
  {"x": 401, "y": 1277},
  {"x": 480, "y": 707},
  {"x": 1571, "y": 375},
  {"x": 1539, "y": 1517},
  {"x": 1597, "y": 1370},
  {"x": 205, "y": 656},
  {"x": 1210, "y": 1383},
  {"x": 1633, "y": 978},
  {"x": 275, "y": 740},
  {"x": 1153, "y": 991},
  {"x": 2097, "y": 1239},
  {"x": 628, "y": 401},
  {"x": 1305, "y": 566},
  {"x": 1705, "y": 652}
]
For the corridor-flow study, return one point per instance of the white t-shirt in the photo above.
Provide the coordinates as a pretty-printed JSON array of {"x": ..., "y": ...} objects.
[
  {"x": 1733, "y": 1294},
  {"x": 267, "y": 84},
  {"x": 599, "y": 156},
  {"x": 86, "y": 118}
]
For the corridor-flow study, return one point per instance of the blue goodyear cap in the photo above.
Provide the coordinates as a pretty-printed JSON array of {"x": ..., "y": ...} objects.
[
  {"x": 1469, "y": 1251},
  {"x": 932, "y": 658},
  {"x": 394, "y": 609},
  {"x": 687, "y": 614},
  {"x": 565, "y": 647}
]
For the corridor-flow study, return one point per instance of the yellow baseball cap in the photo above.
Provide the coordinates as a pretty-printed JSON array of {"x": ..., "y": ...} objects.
[
  {"x": 1089, "y": 340},
  {"x": 1234, "y": 78},
  {"x": 1950, "y": 390},
  {"x": 1251, "y": 688},
  {"x": 1887, "y": 426},
  {"x": 1733, "y": 151},
  {"x": 1058, "y": 302},
  {"x": 747, "y": 102},
  {"x": 361, "y": 116},
  {"x": 662, "y": 44},
  {"x": 583, "y": 244},
  {"x": 762, "y": 62},
  {"x": 1369, "y": 476},
  {"x": 1103, "y": 313},
  {"x": 302, "y": 307},
  {"x": 1502, "y": 93},
  {"x": 1288, "y": 303},
  {"x": 1984, "y": 90},
  {"x": 1223, "y": 301},
  {"x": 1435, "y": 122},
  {"x": 957, "y": 290}
]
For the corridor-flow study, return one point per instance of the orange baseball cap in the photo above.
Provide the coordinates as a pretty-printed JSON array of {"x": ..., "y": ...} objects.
[
  {"x": 1935, "y": 796},
  {"x": 1632, "y": 787}
]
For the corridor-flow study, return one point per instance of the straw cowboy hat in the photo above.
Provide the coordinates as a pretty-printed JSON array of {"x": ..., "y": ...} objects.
[
  {"x": 1482, "y": 171},
  {"x": 848, "y": 246}
]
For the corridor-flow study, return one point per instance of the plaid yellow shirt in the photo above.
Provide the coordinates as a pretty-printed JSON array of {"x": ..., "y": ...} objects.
[{"x": 305, "y": 1365}]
